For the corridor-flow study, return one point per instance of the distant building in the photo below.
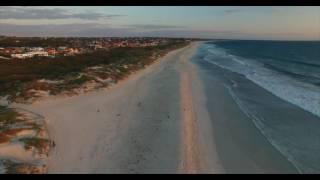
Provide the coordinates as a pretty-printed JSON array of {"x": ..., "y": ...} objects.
[
  {"x": 21, "y": 56},
  {"x": 52, "y": 51},
  {"x": 95, "y": 46},
  {"x": 29, "y": 54},
  {"x": 62, "y": 48},
  {"x": 36, "y": 49},
  {"x": 71, "y": 51}
]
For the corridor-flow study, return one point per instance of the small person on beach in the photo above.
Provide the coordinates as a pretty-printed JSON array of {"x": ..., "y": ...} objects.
[{"x": 53, "y": 144}]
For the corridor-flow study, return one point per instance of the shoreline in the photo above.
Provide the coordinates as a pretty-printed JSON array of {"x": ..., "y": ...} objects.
[{"x": 241, "y": 146}]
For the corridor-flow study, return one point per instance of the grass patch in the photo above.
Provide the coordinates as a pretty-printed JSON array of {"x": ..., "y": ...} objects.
[
  {"x": 18, "y": 76},
  {"x": 79, "y": 81},
  {"x": 5, "y": 136},
  {"x": 13, "y": 167},
  {"x": 69, "y": 84},
  {"x": 40, "y": 144},
  {"x": 7, "y": 117}
]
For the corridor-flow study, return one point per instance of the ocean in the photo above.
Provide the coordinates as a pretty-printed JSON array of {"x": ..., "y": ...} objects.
[{"x": 277, "y": 85}]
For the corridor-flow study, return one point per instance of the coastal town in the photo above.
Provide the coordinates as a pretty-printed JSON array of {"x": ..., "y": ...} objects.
[{"x": 18, "y": 48}]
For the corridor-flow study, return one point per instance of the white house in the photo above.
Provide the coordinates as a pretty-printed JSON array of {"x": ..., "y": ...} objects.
[{"x": 29, "y": 54}]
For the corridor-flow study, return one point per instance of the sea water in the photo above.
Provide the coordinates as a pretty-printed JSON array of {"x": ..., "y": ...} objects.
[{"x": 288, "y": 112}]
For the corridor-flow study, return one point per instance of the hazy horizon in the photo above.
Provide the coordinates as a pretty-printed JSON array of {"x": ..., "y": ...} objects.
[{"x": 243, "y": 23}]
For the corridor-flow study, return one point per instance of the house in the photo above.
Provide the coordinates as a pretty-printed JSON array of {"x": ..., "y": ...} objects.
[
  {"x": 71, "y": 51},
  {"x": 36, "y": 49},
  {"x": 29, "y": 54},
  {"x": 21, "y": 56},
  {"x": 61, "y": 48},
  {"x": 38, "y": 53},
  {"x": 52, "y": 51}
]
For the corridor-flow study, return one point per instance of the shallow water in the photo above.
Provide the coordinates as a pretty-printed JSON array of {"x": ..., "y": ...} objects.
[{"x": 288, "y": 127}]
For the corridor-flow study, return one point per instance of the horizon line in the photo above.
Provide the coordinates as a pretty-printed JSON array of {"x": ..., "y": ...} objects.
[{"x": 204, "y": 39}]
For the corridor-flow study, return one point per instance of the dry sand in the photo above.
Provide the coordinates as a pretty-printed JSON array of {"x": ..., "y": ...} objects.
[{"x": 151, "y": 122}]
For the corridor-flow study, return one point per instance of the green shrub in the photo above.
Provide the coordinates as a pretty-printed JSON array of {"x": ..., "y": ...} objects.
[{"x": 15, "y": 73}]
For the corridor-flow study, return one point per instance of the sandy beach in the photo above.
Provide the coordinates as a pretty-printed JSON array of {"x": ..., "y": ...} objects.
[
  {"x": 145, "y": 124},
  {"x": 172, "y": 117},
  {"x": 159, "y": 90}
]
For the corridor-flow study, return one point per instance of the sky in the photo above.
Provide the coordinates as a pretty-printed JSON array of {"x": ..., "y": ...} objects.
[{"x": 222, "y": 22}]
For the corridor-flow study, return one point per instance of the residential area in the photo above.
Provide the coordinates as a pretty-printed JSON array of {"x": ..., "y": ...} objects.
[{"x": 23, "y": 48}]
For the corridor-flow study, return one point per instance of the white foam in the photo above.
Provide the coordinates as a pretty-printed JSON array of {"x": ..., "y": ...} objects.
[
  {"x": 306, "y": 96},
  {"x": 258, "y": 122}
]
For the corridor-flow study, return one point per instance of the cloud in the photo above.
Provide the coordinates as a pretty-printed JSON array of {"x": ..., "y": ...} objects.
[
  {"x": 99, "y": 30},
  {"x": 190, "y": 33},
  {"x": 95, "y": 29},
  {"x": 56, "y": 13},
  {"x": 103, "y": 30},
  {"x": 152, "y": 26},
  {"x": 233, "y": 11},
  {"x": 260, "y": 9},
  {"x": 76, "y": 30}
]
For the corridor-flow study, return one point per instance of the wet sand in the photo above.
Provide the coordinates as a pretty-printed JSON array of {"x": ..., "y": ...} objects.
[{"x": 241, "y": 146}]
